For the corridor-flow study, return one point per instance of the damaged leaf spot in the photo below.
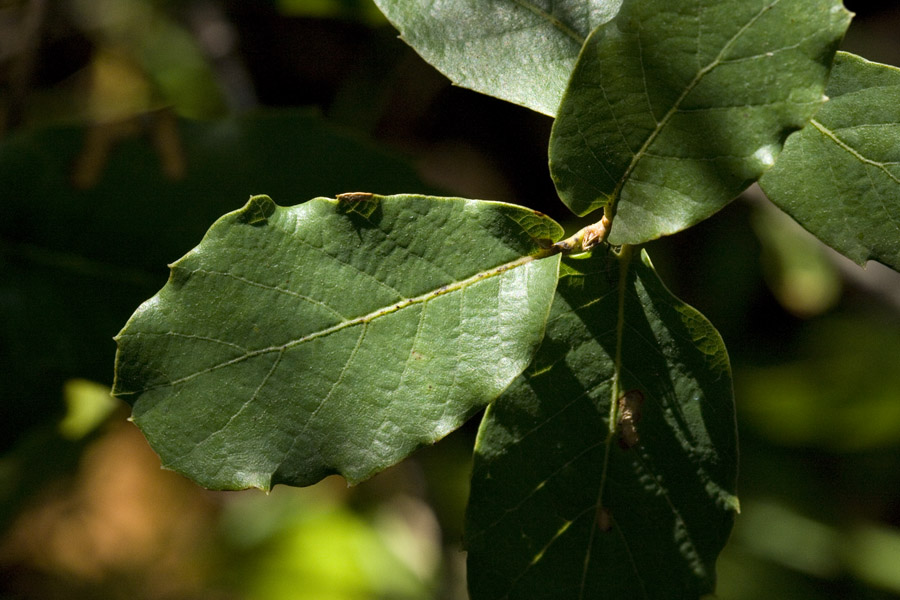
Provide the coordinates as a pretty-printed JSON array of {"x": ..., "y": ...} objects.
[
  {"x": 629, "y": 415},
  {"x": 257, "y": 210},
  {"x": 604, "y": 519},
  {"x": 361, "y": 203}
]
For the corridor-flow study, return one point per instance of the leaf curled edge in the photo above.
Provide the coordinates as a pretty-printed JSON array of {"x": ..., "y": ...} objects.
[{"x": 257, "y": 210}]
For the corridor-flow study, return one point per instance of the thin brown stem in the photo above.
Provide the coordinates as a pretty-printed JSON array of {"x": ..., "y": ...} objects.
[{"x": 583, "y": 240}]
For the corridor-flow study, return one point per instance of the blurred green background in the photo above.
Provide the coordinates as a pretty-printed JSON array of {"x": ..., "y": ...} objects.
[{"x": 128, "y": 126}]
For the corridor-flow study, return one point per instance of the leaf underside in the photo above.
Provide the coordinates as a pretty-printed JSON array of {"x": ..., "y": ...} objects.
[
  {"x": 335, "y": 336},
  {"x": 840, "y": 177},
  {"x": 561, "y": 505},
  {"x": 521, "y": 51},
  {"x": 674, "y": 108}
]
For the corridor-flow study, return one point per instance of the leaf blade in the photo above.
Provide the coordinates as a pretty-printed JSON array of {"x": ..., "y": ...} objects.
[
  {"x": 521, "y": 51},
  {"x": 296, "y": 342},
  {"x": 840, "y": 177},
  {"x": 672, "y": 110},
  {"x": 550, "y": 476}
]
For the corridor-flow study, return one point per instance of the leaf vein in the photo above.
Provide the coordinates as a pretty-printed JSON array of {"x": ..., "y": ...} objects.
[
  {"x": 631, "y": 560},
  {"x": 334, "y": 386},
  {"x": 237, "y": 413},
  {"x": 562, "y": 530},
  {"x": 367, "y": 318},
  {"x": 201, "y": 338},
  {"x": 846, "y": 147},
  {"x": 272, "y": 288},
  {"x": 325, "y": 254},
  {"x": 661, "y": 124}
]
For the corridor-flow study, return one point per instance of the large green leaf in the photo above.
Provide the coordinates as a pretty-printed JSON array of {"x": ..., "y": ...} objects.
[
  {"x": 335, "y": 335},
  {"x": 565, "y": 503},
  {"x": 840, "y": 177},
  {"x": 522, "y": 51},
  {"x": 675, "y": 107}
]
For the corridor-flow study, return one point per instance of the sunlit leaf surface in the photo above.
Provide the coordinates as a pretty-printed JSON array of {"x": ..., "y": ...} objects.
[
  {"x": 840, "y": 176},
  {"x": 571, "y": 501},
  {"x": 674, "y": 108},
  {"x": 335, "y": 335},
  {"x": 522, "y": 51}
]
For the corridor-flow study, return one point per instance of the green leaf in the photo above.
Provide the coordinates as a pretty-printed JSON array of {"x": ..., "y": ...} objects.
[
  {"x": 840, "y": 177},
  {"x": 674, "y": 108},
  {"x": 335, "y": 336},
  {"x": 565, "y": 503},
  {"x": 522, "y": 51}
]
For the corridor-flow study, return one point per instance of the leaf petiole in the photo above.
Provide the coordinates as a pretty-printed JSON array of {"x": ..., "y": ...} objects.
[{"x": 584, "y": 239}]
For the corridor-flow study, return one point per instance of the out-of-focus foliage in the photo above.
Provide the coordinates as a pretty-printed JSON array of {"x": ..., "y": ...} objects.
[
  {"x": 777, "y": 552},
  {"x": 169, "y": 68},
  {"x": 294, "y": 536},
  {"x": 121, "y": 523},
  {"x": 88, "y": 405},
  {"x": 346, "y": 9},
  {"x": 841, "y": 394},
  {"x": 796, "y": 266}
]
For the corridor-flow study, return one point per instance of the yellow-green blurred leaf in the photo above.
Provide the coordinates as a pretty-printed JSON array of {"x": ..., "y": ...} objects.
[
  {"x": 87, "y": 406},
  {"x": 795, "y": 264}
]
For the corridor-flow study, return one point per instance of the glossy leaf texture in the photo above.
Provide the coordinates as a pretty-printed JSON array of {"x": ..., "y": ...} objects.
[
  {"x": 574, "y": 496},
  {"x": 335, "y": 336},
  {"x": 840, "y": 176},
  {"x": 674, "y": 108},
  {"x": 522, "y": 51}
]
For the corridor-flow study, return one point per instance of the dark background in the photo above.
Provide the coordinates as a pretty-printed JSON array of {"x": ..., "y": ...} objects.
[{"x": 128, "y": 126}]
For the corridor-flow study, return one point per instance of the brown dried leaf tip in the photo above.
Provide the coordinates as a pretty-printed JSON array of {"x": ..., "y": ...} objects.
[{"x": 361, "y": 203}]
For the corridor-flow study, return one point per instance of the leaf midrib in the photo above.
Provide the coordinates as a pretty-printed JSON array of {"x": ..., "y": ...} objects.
[
  {"x": 364, "y": 319},
  {"x": 625, "y": 258},
  {"x": 828, "y": 133}
]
